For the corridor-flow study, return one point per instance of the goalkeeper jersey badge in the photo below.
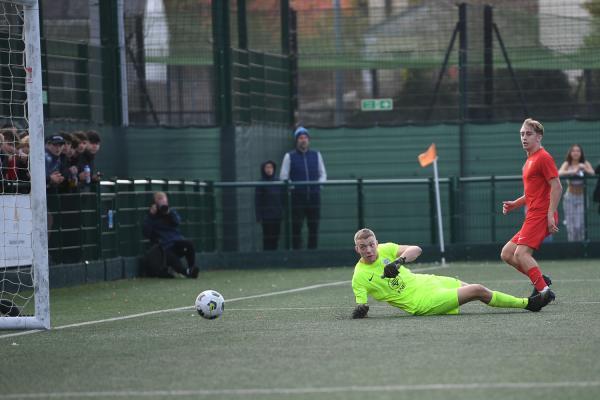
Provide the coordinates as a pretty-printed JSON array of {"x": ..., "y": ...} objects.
[{"x": 396, "y": 284}]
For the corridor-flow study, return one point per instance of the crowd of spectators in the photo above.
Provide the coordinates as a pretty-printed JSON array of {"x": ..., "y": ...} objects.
[
  {"x": 14, "y": 158},
  {"x": 70, "y": 161}
]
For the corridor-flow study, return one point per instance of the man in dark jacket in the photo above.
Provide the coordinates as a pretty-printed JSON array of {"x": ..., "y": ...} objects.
[
  {"x": 55, "y": 163},
  {"x": 597, "y": 190},
  {"x": 303, "y": 164},
  {"x": 161, "y": 226},
  {"x": 85, "y": 161},
  {"x": 268, "y": 204}
]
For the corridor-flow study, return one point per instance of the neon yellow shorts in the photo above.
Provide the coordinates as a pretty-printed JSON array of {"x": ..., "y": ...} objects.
[{"x": 442, "y": 297}]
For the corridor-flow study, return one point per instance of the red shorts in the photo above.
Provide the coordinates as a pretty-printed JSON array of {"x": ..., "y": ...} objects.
[{"x": 534, "y": 230}]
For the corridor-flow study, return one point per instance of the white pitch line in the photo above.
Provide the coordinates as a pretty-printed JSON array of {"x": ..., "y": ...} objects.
[
  {"x": 307, "y": 390},
  {"x": 301, "y": 289},
  {"x": 144, "y": 314}
]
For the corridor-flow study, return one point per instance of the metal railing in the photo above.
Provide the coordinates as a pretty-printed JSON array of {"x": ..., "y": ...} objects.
[{"x": 107, "y": 221}]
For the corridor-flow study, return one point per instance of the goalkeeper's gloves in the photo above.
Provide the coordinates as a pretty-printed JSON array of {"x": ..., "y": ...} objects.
[
  {"x": 360, "y": 311},
  {"x": 391, "y": 270}
]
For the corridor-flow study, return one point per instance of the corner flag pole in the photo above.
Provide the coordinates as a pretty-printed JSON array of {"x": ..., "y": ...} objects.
[
  {"x": 439, "y": 210},
  {"x": 430, "y": 157}
]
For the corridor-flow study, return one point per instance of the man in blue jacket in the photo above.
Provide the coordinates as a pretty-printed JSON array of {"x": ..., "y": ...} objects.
[
  {"x": 161, "y": 226},
  {"x": 300, "y": 165}
]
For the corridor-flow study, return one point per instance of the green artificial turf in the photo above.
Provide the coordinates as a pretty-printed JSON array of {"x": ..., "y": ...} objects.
[{"x": 304, "y": 345}]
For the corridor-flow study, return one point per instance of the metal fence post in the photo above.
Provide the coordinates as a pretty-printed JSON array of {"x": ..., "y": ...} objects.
[
  {"x": 288, "y": 215},
  {"x": 493, "y": 207},
  {"x": 585, "y": 208},
  {"x": 432, "y": 211},
  {"x": 196, "y": 229},
  {"x": 111, "y": 71},
  {"x": 116, "y": 220},
  {"x": 99, "y": 220},
  {"x": 210, "y": 217},
  {"x": 453, "y": 209},
  {"x": 360, "y": 203}
]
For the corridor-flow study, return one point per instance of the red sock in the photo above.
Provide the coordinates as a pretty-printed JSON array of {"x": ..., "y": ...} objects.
[{"x": 535, "y": 276}]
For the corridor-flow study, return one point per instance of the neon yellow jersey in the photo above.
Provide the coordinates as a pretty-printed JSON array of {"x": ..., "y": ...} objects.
[{"x": 410, "y": 292}]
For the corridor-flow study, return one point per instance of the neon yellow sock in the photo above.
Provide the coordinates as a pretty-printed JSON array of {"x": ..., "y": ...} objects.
[{"x": 504, "y": 300}]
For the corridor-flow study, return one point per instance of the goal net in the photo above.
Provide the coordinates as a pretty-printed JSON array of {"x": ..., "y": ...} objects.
[{"x": 24, "y": 299}]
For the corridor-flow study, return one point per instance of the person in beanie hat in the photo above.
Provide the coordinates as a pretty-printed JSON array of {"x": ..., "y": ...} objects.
[{"x": 300, "y": 165}]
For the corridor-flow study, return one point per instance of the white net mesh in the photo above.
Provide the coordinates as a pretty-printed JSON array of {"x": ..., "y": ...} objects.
[{"x": 16, "y": 274}]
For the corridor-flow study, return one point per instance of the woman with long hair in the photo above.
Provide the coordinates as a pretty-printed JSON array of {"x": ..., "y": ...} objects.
[{"x": 575, "y": 167}]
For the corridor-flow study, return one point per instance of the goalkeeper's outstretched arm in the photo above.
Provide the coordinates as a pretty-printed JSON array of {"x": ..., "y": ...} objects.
[{"x": 408, "y": 253}]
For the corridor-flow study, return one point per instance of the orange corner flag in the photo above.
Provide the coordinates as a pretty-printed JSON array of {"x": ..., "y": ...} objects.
[{"x": 428, "y": 157}]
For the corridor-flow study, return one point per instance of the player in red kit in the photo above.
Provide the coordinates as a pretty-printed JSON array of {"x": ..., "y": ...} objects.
[{"x": 542, "y": 192}]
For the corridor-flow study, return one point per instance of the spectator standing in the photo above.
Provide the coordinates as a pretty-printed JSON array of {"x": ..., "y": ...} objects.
[
  {"x": 75, "y": 144},
  {"x": 82, "y": 142},
  {"x": 8, "y": 149},
  {"x": 70, "y": 158},
  {"x": 19, "y": 163},
  {"x": 55, "y": 164},
  {"x": 269, "y": 206},
  {"x": 304, "y": 164},
  {"x": 2, "y": 161},
  {"x": 161, "y": 226},
  {"x": 575, "y": 167},
  {"x": 596, "y": 196},
  {"x": 85, "y": 161}
]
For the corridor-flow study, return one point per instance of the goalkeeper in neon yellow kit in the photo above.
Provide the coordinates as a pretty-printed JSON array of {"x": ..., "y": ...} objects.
[{"x": 381, "y": 274}]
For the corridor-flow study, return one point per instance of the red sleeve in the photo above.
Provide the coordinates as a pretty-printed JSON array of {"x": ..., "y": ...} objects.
[{"x": 548, "y": 168}]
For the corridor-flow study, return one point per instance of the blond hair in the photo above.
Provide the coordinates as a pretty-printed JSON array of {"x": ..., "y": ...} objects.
[
  {"x": 535, "y": 125},
  {"x": 362, "y": 234}
]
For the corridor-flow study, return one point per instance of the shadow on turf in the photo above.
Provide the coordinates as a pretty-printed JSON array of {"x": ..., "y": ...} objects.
[{"x": 404, "y": 315}]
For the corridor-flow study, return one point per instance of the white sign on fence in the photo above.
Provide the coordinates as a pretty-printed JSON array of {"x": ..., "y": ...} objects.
[{"x": 15, "y": 230}]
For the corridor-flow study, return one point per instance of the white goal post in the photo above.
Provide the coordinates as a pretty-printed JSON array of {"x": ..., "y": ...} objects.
[{"x": 24, "y": 247}]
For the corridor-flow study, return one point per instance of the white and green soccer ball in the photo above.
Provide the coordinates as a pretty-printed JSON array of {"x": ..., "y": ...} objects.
[{"x": 210, "y": 304}]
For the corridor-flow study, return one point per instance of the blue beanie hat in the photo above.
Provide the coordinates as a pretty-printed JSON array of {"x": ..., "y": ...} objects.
[{"x": 301, "y": 131}]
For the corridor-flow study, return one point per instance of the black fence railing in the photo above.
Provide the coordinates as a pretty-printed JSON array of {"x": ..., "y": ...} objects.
[{"x": 107, "y": 222}]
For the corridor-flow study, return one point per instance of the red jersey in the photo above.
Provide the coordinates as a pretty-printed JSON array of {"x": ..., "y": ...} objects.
[{"x": 537, "y": 171}]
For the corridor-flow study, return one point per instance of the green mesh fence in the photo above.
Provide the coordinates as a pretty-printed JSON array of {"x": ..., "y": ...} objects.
[{"x": 544, "y": 60}]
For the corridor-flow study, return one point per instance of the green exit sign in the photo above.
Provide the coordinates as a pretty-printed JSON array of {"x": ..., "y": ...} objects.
[{"x": 376, "y": 105}]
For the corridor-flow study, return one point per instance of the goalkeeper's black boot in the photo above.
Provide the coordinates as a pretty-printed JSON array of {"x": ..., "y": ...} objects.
[
  {"x": 548, "y": 283},
  {"x": 540, "y": 300},
  {"x": 535, "y": 303}
]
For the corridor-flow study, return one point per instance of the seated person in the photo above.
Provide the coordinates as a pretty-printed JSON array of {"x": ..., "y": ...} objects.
[{"x": 161, "y": 226}]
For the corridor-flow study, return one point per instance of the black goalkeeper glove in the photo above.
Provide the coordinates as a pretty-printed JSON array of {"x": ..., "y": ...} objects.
[
  {"x": 360, "y": 311},
  {"x": 391, "y": 270}
]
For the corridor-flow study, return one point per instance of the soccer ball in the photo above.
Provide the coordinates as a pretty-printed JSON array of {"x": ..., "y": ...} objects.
[{"x": 210, "y": 304}]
